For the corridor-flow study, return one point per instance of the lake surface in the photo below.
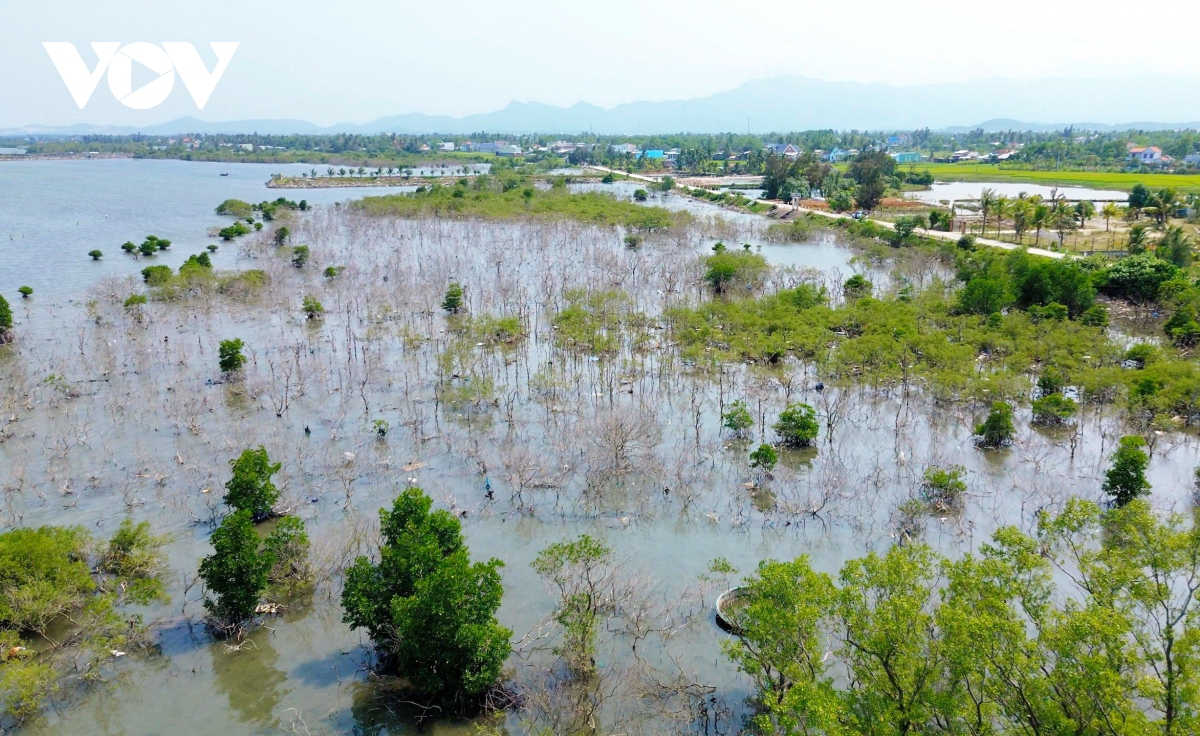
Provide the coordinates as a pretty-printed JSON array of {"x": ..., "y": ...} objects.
[
  {"x": 149, "y": 436},
  {"x": 951, "y": 191},
  {"x": 53, "y": 212}
]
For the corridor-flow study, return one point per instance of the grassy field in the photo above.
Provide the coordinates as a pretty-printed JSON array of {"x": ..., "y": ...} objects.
[{"x": 1093, "y": 179}]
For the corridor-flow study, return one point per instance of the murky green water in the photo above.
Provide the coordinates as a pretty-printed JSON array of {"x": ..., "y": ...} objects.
[{"x": 628, "y": 449}]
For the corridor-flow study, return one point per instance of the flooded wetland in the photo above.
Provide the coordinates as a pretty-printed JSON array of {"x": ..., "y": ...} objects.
[{"x": 585, "y": 385}]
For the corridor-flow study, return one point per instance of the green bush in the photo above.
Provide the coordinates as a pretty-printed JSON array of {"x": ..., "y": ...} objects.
[
  {"x": 1137, "y": 278},
  {"x": 453, "y": 300},
  {"x": 235, "y": 208},
  {"x": 797, "y": 425},
  {"x": 235, "y": 230},
  {"x": 1053, "y": 409},
  {"x": 997, "y": 430},
  {"x": 300, "y": 256},
  {"x": 764, "y": 458},
  {"x": 944, "y": 488},
  {"x": 736, "y": 418},
  {"x": 95, "y": 254},
  {"x": 428, "y": 609},
  {"x": 311, "y": 307},
  {"x": 288, "y": 547},
  {"x": 726, "y": 269},
  {"x": 44, "y": 574},
  {"x": 230, "y": 356},
  {"x": 236, "y": 573},
  {"x": 1126, "y": 477},
  {"x": 157, "y": 275},
  {"x": 857, "y": 287},
  {"x": 250, "y": 488}
]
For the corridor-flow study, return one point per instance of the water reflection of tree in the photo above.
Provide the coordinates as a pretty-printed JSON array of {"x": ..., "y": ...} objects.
[{"x": 249, "y": 677}]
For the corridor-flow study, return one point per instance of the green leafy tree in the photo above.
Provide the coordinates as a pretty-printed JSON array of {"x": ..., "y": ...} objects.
[
  {"x": 944, "y": 487},
  {"x": 281, "y": 235},
  {"x": 984, "y": 295},
  {"x": 1137, "y": 278},
  {"x": 857, "y": 287},
  {"x": 311, "y": 307},
  {"x": 96, "y": 254},
  {"x": 1126, "y": 476},
  {"x": 797, "y": 425},
  {"x": 736, "y": 418},
  {"x": 889, "y": 640},
  {"x": 157, "y": 275},
  {"x": 779, "y": 641},
  {"x": 288, "y": 547},
  {"x": 453, "y": 301},
  {"x": 764, "y": 458},
  {"x": 44, "y": 574},
  {"x": 997, "y": 430},
  {"x": 25, "y": 292},
  {"x": 229, "y": 355},
  {"x": 904, "y": 227},
  {"x": 429, "y": 610},
  {"x": 236, "y": 573},
  {"x": 250, "y": 488},
  {"x": 6, "y": 319},
  {"x": 300, "y": 256},
  {"x": 1183, "y": 328},
  {"x": 1054, "y": 410},
  {"x": 579, "y": 574},
  {"x": 726, "y": 269}
]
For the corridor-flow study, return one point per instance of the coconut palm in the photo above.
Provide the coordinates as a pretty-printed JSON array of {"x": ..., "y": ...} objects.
[
  {"x": 1021, "y": 212},
  {"x": 1139, "y": 238},
  {"x": 1109, "y": 211},
  {"x": 1002, "y": 207},
  {"x": 1040, "y": 218},
  {"x": 987, "y": 200}
]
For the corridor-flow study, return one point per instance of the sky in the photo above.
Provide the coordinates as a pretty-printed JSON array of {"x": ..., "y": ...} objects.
[{"x": 357, "y": 60}]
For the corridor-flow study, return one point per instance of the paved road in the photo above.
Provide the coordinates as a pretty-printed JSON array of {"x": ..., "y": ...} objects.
[{"x": 935, "y": 234}]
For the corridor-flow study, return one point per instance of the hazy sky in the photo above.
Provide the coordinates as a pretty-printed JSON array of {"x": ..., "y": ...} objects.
[{"x": 356, "y": 60}]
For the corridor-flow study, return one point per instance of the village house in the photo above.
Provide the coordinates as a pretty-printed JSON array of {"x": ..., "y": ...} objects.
[
  {"x": 906, "y": 157},
  {"x": 837, "y": 155},
  {"x": 446, "y": 146},
  {"x": 1146, "y": 155},
  {"x": 790, "y": 150},
  {"x": 623, "y": 148}
]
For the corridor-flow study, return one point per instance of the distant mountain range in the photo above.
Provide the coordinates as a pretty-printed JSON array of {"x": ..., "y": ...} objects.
[{"x": 783, "y": 104}]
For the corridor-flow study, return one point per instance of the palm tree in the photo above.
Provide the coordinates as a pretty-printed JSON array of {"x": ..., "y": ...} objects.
[
  {"x": 1109, "y": 211},
  {"x": 1002, "y": 207},
  {"x": 329, "y": 171},
  {"x": 1022, "y": 211},
  {"x": 987, "y": 200},
  {"x": 1039, "y": 219},
  {"x": 1138, "y": 238}
]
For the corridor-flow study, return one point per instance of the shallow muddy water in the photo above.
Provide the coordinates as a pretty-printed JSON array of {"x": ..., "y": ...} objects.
[{"x": 626, "y": 447}]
